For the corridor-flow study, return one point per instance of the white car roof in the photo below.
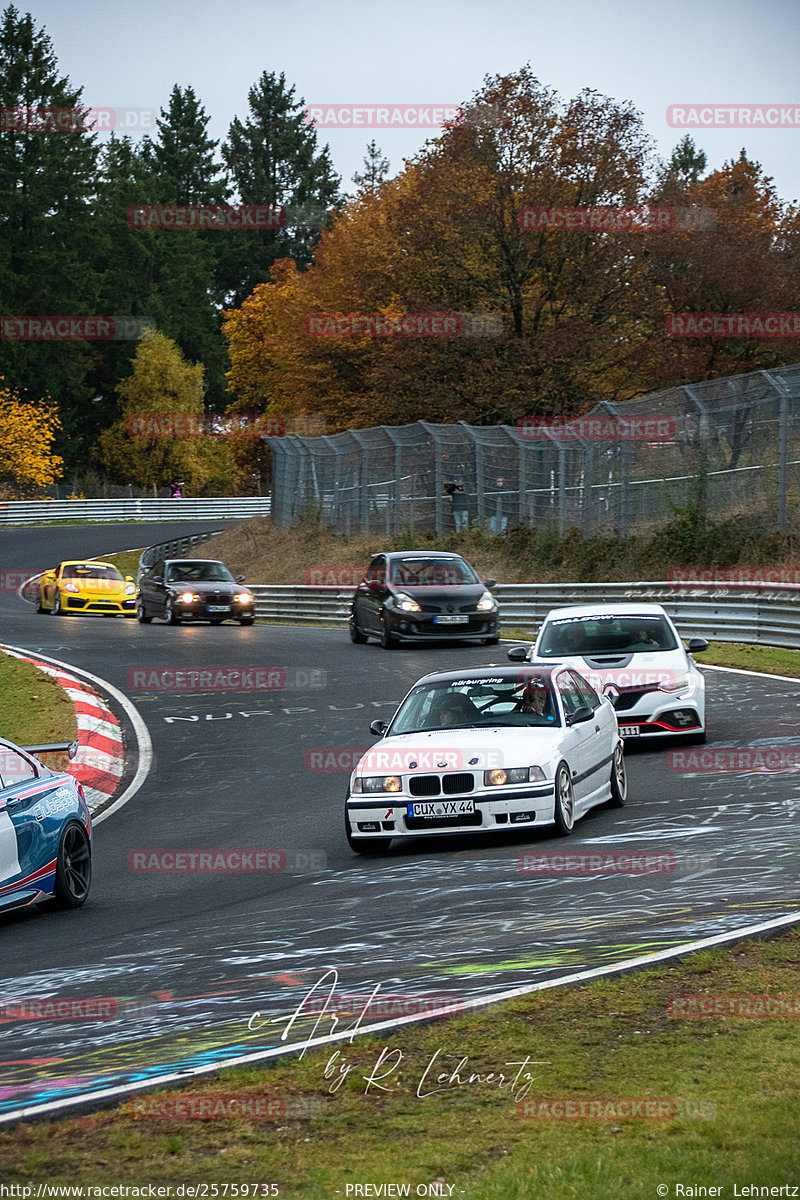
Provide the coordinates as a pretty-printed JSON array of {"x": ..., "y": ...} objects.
[{"x": 606, "y": 610}]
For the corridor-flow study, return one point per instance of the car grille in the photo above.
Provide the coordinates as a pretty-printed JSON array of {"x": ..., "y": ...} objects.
[
  {"x": 628, "y": 698},
  {"x": 435, "y": 785}
]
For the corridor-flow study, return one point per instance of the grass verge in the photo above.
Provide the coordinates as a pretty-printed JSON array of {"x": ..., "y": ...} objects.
[
  {"x": 729, "y": 1105},
  {"x": 33, "y": 706}
]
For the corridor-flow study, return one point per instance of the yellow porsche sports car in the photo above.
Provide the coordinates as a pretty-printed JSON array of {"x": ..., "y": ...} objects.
[{"x": 91, "y": 587}]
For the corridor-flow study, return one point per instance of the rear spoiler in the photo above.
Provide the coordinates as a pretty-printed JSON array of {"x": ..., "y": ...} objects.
[{"x": 44, "y": 747}]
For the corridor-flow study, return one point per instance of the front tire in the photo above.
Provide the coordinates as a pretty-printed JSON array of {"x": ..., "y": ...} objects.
[
  {"x": 388, "y": 640},
  {"x": 73, "y": 867},
  {"x": 141, "y": 613},
  {"x": 247, "y": 621},
  {"x": 619, "y": 779},
  {"x": 356, "y": 636},
  {"x": 564, "y": 812},
  {"x": 57, "y": 610},
  {"x": 170, "y": 615}
]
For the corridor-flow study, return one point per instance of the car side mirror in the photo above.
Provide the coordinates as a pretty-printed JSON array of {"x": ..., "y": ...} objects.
[
  {"x": 584, "y": 713},
  {"x": 129, "y": 579},
  {"x": 378, "y": 728},
  {"x": 158, "y": 579},
  {"x": 490, "y": 583},
  {"x": 697, "y": 645},
  {"x": 518, "y": 653},
  {"x": 240, "y": 578}
]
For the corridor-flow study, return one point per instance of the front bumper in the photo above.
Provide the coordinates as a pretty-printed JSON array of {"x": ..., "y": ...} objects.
[
  {"x": 126, "y": 607},
  {"x": 496, "y": 810},
  {"x": 200, "y": 611},
  {"x": 418, "y": 627},
  {"x": 670, "y": 720}
]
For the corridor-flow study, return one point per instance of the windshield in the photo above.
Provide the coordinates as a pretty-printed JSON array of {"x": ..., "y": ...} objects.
[
  {"x": 430, "y": 572},
  {"x": 83, "y": 571},
  {"x": 198, "y": 572},
  {"x": 524, "y": 699},
  {"x": 596, "y": 636}
]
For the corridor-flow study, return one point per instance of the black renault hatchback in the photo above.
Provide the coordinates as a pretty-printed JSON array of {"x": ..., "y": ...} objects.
[{"x": 423, "y": 596}]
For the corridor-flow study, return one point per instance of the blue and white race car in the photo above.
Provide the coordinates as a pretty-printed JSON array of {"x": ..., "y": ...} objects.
[{"x": 45, "y": 833}]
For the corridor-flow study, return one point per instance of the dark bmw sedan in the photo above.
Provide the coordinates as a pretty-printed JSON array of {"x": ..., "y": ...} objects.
[
  {"x": 423, "y": 596},
  {"x": 201, "y": 588}
]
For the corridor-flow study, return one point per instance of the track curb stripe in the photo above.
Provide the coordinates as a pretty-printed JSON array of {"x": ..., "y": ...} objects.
[{"x": 99, "y": 734}]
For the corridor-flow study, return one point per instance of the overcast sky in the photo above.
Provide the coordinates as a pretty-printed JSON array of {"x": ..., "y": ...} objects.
[{"x": 436, "y": 52}]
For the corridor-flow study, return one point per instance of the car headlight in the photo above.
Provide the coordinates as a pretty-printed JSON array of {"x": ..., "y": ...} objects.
[
  {"x": 406, "y": 602},
  {"x": 71, "y": 587},
  {"x": 188, "y": 597},
  {"x": 487, "y": 602},
  {"x": 377, "y": 783},
  {"x": 681, "y": 683},
  {"x": 499, "y": 776},
  {"x": 243, "y": 598},
  {"x": 130, "y": 589}
]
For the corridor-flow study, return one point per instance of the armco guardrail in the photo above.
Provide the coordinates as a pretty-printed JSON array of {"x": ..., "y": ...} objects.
[
  {"x": 768, "y": 613},
  {"x": 43, "y": 512}
]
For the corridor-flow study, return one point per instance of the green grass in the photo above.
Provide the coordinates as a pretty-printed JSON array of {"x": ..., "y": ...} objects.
[
  {"x": 33, "y": 706},
  {"x": 733, "y": 1079}
]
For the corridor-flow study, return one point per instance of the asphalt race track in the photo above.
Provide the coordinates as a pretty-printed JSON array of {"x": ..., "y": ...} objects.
[{"x": 177, "y": 963}]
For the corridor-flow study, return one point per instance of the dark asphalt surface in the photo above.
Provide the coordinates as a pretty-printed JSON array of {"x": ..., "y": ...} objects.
[{"x": 184, "y": 960}]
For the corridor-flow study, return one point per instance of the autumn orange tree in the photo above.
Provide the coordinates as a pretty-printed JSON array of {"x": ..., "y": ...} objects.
[
  {"x": 582, "y": 311},
  {"x": 27, "y": 431}
]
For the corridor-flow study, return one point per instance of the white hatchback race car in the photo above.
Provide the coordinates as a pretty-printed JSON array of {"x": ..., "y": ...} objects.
[
  {"x": 637, "y": 649},
  {"x": 493, "y": 749}
]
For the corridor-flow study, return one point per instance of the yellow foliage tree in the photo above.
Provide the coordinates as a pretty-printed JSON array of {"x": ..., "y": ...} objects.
[
  {"x": 27, "y": 431},
  {"x": 163, "y": 385}
]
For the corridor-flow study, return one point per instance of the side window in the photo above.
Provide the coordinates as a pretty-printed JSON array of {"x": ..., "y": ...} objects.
[
  {"x": 15, "y": 767},
  {"x": 570, "y": 696},
  {"x": 376, "y": 571},
  {"x": 587, "y": 693}
]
